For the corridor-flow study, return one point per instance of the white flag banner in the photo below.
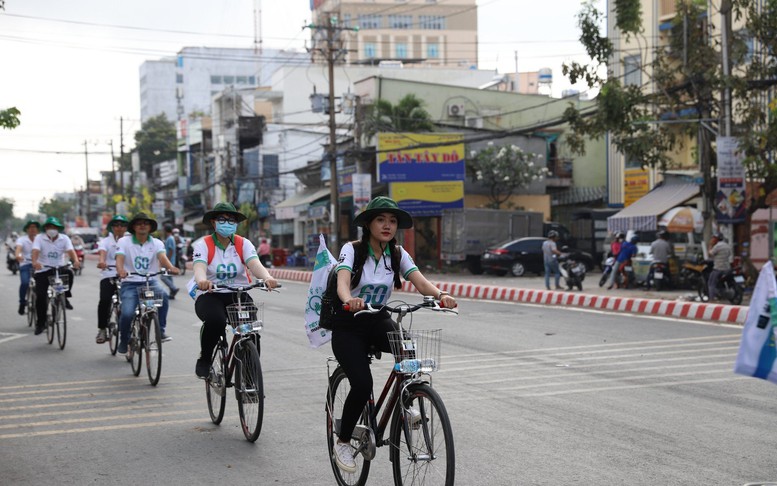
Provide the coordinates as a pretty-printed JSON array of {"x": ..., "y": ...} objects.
[
  {"x": 324, "y": 262},
  {"x": 757, "y": 351}
]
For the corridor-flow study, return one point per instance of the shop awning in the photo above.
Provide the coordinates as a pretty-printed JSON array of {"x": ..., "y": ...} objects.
[
  {"x": 291, "y": 207},
  {"x": 643, "y": 214}
]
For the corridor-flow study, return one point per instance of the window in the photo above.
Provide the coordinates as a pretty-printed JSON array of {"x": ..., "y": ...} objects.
[
  {"x": 431, "y": 22},
  {"x": 370, "y": 21},
  {"x": 400, "y": 21},
  {"x": 400, "y": 50},
  {"x": 215, "y": 80},
  {"x": 178, "y": 78},
  {"x": 252, "y": 80},
  {"x": 369, "y": 50},
  {"x": 432, "y": 50},
  {"x": 229, "y": 80},
  {"x": 270, "y": 179},
  {"x": 241, "y": 79},
  {"x": 632, "y": 75},
  {"x": 346, "y": 20}
]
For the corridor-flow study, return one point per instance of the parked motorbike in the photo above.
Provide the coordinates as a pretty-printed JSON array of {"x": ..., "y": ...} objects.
[
  {"x": 609, "y": 264},
  {"x": 572, "y": 270},
  {"x": 79, "y": 249},
  {"x": 11, "y": 263},
  {"x": 730, "y": 284},
  {"x": 658, "y": 276}
]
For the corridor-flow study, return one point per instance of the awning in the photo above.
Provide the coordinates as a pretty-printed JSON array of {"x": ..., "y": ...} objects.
[
  {"x": 643, "y": 214},
  {"x": 578, "y": 195},
  {"x": 291, "y": 207}
]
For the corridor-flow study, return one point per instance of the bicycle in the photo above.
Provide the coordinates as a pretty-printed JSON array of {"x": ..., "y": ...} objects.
[
  {"x": 32, "y": 300},
  {"x": 145, "y": 332},
  {"x": 112, "y": 331},
  {"x": 56, "y": 318},
  {"x": 420, "y": 435},
  {"x": 240, "y": 360}
]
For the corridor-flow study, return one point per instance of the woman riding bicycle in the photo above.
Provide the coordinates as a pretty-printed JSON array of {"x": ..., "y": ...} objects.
[
  {"x": 366, "y": 271},
  {"x": 220, "y": 258},
  {"x": 106, "y": 250}
]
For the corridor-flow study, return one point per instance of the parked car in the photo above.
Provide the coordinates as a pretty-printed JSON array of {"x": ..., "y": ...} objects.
[{"x": 525, "y": 255}]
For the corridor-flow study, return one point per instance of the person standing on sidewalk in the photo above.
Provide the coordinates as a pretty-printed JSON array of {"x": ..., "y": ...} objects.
[
  {"x": 720, "y": 252},
  {"x": 170, "y": 249},
  {"x": 550, "y": 254}
]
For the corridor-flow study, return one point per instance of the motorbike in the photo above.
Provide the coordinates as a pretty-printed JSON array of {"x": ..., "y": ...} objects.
[
  {"x": 730, "y": 284},
  {"x": 607, "y": 267},
  {"x": 624, "y": 277},
  {"x": 181, "y": 264},
  {"x": 572, "y": 271},
  {"x": 658, "y": 276},
  {"x": 11, "y": 263},
  {"x": 79, "y": 249}
]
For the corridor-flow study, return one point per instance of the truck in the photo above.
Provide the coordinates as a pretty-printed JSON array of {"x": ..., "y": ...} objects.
[{"x": 468, "y": 232}]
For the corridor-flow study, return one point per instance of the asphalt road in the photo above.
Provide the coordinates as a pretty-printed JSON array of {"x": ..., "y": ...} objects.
[{"x": 536, "y": 394}]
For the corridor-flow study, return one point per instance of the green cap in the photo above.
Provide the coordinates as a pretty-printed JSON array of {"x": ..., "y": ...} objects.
[
  {"x": 52, "y": 221},
  {"x": 383, "y": 204},
  {"x": 31, "y": 223},
  {"x": 119, "y": 218},
  {"x": 223, "y": 208}
]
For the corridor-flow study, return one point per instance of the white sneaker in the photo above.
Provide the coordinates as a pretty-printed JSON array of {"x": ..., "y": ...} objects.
[
  {"x": 102, "y": 336},
  {"x": 343, "y": 453}
]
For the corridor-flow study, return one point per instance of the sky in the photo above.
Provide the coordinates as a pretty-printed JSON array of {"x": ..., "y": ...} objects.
[{"x": 71, "y": 68}]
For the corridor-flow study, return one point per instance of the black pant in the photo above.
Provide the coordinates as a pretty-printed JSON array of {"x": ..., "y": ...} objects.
[
  {"x": 351, "y": 344},
  {"x": 42, "y": 287},
  {"x": 211, "y": 309},
  {"x": 107, "y": 289}
]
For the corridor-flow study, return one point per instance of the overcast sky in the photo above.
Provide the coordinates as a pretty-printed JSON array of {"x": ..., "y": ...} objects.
[{"x": 71, "y": 67}]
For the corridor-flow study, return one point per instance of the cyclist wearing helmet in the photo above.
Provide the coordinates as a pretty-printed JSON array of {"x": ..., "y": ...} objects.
[
  {"x": 106, "y": 250},
  {"x": 24, "y": 257},
  {"x": 720, "y": 252},
  {"x": 550, "y": 255},
  {"x": 366, "y": 272},
  {"x": 627, "y": 252}
]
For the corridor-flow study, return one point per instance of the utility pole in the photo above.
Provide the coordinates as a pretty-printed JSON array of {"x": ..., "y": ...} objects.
[
  {"x": 725, "y": 34},
  {"x": 113, "y": 176},
  {"x": 86, "y": 188},
  {"x": 121, "y": 156}
]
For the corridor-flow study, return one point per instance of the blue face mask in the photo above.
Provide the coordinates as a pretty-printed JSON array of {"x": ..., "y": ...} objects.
[{"x": 226, "y": 229}]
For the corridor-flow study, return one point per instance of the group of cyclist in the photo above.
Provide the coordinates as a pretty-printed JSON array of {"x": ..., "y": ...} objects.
[{"x": 366, "y": 272}]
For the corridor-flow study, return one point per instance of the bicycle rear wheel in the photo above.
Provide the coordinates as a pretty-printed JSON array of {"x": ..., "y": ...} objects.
[
  {"x": 51, "y": 317},
  {"x": 31, "y": 312},
  {"x": 216, "y": 384},
  {"x": 135, "y": 347},
  {"x": 249, "y": 389},
  {"x": 113, "y": 329},
  {"x": 61, "y": 322},
  {"x": 338, "y": 390},
  {"x": 422, "y": 450},
  {"x": 153, "y": 345}
]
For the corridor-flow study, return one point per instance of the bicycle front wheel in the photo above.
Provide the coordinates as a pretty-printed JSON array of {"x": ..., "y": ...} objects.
[
  {"x": 421, "y": 439},
  {"x": 153, "y": 346},
  {"x": 216, "y": 384},
  {"x": 135, "y": 348},
  {"x": 31, "y": 311},
  {"x": 50, "y": 320},
  {"x": 113, "y": 329},
  {"x": 249, "y": 390},
  {"x": 338, "y": 390},
  {"x": 61, "y": 322}
]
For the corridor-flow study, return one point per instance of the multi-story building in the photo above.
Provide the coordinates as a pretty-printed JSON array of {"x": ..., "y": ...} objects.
[
  {"x": 431, "y": 32},
  {"x": 185, "y": 85}
]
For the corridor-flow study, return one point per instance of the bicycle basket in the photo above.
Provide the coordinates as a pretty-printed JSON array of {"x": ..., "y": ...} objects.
[
  {"x": 416, "y": 351},
  {"x": 62, "y": 284},
  {"x": 150, "y": 297},
  {"x": 246, "y": 317}
]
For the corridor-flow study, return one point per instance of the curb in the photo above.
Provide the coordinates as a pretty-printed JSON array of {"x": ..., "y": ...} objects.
[{"x": 731, "y": 314}]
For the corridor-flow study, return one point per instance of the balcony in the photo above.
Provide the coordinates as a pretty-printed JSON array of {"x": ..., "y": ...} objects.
[{"x": 560, "y": 172}]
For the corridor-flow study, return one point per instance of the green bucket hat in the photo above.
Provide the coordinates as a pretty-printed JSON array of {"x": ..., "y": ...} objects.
[
  {"x": 119, "y": 218},
  {"x": 52, "y": 221},
  {"x": 383, "y": 204},
  {"x": 29, "y": 223},
  {"x": 141, "y": 217},
  {"x": 223, "y": 208}
]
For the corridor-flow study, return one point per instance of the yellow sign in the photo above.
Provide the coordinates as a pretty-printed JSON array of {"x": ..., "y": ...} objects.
[
  {"x": 427, "y": 198},
  {"x": 636, "y": 184},
  {"x": 406, "y": 157}
]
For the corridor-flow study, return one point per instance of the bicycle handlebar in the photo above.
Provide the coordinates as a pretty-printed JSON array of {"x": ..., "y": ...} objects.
[
  {"x": 404, "y": 308},
  {"x": 149, "y": 275},
  {"x": 258, "y": 284}
]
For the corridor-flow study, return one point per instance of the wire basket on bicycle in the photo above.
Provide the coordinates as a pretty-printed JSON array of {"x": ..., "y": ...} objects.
[
  {"x": 246, "y": 317},
  {"x": 59, "y": 284},
  {"x": 416, "y": 350},
  {"x": 148, "y": 297}
]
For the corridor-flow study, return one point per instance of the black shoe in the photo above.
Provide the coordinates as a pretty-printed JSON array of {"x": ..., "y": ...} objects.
[
  {"x": 21, "y": 309},
  {"x": 39, "y": 329},
  {"x": 68, "y": 305},
  {"x": 202, "y": 369},
  {"x": 173, "y": 293}
]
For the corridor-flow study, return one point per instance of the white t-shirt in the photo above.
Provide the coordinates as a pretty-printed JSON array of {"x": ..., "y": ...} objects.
[
  {"x": 225, "y": 268},
  {"x": 376, "y": 280},
  {"x": 109, "y": 245},
  {"x": 139, "y": 258},
  {"x": 52, "y": 253},
  {"x": 26, "y": 243}
]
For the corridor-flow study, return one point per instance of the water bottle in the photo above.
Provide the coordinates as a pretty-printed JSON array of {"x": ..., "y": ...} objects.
[
  {"x": 415, "y": 365},
  {"x": 246, "y": 327}
]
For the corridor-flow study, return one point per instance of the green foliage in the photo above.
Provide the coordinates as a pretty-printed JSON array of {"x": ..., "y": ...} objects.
[
  {"x": 504, "y": 170},
  {"x": 249, "y": 210},
  {"x": 9, "y": 118},
  {"x": 156, "y": 142},
  {"x": 408, "y": 115},
  {"x": 58, "y": 208},
  {"x": 6, "y": 208},
  {"x": 628, "y": 16}
]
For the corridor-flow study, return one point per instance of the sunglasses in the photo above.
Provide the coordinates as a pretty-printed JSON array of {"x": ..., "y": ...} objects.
[{"x": 224, "y": 219}]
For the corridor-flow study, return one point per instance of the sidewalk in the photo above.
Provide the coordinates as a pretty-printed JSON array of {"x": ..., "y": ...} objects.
[{"x": 531, "y": 289}]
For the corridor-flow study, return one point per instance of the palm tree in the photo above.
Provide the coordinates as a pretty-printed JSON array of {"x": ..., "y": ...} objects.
[{"x": 408, "y": 115}]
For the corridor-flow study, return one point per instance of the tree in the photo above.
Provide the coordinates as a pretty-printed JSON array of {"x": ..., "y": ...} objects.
[
  {"x": 408, "y": 115},
  {"x": 9, "y": 118},
  {"x": 504, "y": 170},
  {"x": 57, "y": 208},
  {"x": 156, "y": 142}
]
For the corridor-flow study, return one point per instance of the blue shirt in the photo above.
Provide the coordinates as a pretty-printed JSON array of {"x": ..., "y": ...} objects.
[
  {"x": 628, "y": 250},
  {"x": 170, "y": 248}
]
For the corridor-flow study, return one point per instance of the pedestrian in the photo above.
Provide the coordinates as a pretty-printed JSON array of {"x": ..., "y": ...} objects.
[
  {"x": 720, "y": 252},
  {"x": 264, "y": 252},
  {"x": 170, "y": 251},
  {"x": 550, "y": 254}
]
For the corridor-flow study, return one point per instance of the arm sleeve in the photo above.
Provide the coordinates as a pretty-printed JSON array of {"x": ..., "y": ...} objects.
[
  {"x": 249, "y": 250},
  {"x": 346, "y": 257},
  {"x": 406, "y": 263},
  {"x": 200, "y": 252}
]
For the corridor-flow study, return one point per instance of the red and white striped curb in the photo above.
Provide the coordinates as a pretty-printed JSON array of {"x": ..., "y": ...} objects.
[{"x": 687, "y": 310}]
